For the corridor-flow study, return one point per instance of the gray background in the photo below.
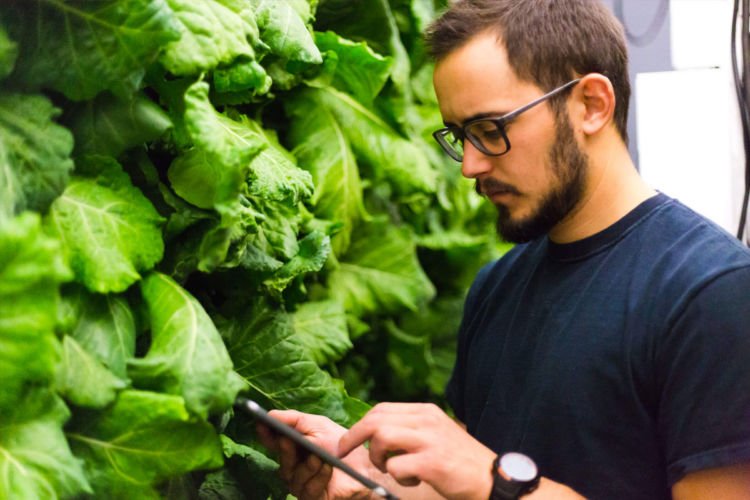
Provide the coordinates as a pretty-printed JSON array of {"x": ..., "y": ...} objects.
[{"x": 656, "y": 55}]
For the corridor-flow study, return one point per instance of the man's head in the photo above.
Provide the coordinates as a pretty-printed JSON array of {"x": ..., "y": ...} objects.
[
  {"x": 548, "y": 42},
  {"x": 496, "y": 56}
]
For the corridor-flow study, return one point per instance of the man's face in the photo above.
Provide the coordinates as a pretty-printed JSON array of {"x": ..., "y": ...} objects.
[{"x": 541, "y": 179}]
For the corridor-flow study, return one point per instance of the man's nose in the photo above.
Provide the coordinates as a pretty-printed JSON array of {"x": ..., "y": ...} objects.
[{"x": 475, "y": 163}]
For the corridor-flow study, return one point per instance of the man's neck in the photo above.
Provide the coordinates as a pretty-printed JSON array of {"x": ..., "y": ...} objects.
[{"x": 613, "y": 189}]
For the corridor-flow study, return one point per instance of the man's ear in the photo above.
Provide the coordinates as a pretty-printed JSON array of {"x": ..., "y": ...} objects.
[{"x": 599, "y": 102}]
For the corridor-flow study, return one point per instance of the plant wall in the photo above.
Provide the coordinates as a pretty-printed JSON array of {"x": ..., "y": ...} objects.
[{"x": 200, "y": 198}]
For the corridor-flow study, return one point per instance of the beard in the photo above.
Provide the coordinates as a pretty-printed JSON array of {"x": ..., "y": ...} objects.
[{"x": 569, "y": 165}]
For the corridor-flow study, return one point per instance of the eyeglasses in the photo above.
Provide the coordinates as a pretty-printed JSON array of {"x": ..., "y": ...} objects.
[{"x": 486, "y": 134}]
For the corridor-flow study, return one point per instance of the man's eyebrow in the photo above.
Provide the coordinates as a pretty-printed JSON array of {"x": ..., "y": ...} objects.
[{"x": 475, "y": 116}]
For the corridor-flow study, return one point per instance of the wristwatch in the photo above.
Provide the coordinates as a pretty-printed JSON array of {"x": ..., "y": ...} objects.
[{"x": 513, "y": 475}]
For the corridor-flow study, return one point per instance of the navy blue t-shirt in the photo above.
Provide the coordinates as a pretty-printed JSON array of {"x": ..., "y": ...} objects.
[{"x": 620, "y": 362}]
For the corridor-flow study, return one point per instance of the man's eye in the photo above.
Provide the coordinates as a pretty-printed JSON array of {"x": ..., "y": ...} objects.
[
  {"x": 486, "y": 131},
  {"x": 491, "y": 135}
]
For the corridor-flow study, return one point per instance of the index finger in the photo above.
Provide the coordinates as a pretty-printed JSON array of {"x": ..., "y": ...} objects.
[{"x": 360, "y": 433}]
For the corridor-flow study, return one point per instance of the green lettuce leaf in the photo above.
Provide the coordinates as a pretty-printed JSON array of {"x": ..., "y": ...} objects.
[
  {"x": 103, "y": 325},
  {"x": 389, "y": 156},
  {"x": 380, "y": 272},
  {"x": 83, "y": 380},
  {"x": 283, "y": 79},
  {"x": 246, "y": 10},
  {"x": 274, "y": 174},
  {"x": 214, "y": 131},
  {"x": 322, "y": 146},
  {"x": 285, "y": 31},
  {"x": 262, "y": 222},
  {"x": 28, "y": 257},
  {"x": 8, "y": 53},
  {"x": 359, "y": 70},
  {"x": 34, "y": 153},
  {"x": 31, "y": 269},
  {"x": 281, "y": 374},
  {"x": 409, "y": 358},
  {"x": 259, "y": 235},
  {"x": 247, "y": 470},
  {"x": 222, "y": 485},
  {"x": 214, "y": 245},
  {"x": 186, "y": 356},
  {"x": 255, "y": 233},
  {"x": 109, "y": 229},
  {"x": 246, "y": 78},
  {"x": 232, "y": 449},
  {"x": 214, "y": 170},
  {"x": 304, "y": 8},
  {"x": 321, "y": 327},
  {"x": 207, "y": 245},
  {"x": 314, "y": 250},
  {"x": 452, "y": 239},
  {"x": 109, "y": 126},
  {"x": 438, "y": 326},
  {"x": 83, "y": 48},
  {"x": 144, "y": 437},
  {"x": 35, "y": 460},
  {"x": 11, "y": 194},
  {"x": 422, "y": 12},
  {"x": 255, "y": 471},
  {"x": 211, "y": 34},
  {"x": 424, "y": 93},
  {"x": 371, "y": 21},
  {"x": 183, "y": 215},
  {"x": 278, "y": 226},
  {"x": 200, "y": 178}
]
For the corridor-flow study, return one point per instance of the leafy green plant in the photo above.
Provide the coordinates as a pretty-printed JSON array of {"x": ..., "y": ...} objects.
[{"x": 206, "y": 197}]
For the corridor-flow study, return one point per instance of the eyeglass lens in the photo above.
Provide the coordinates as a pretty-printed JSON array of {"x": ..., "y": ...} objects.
[
  {"x": 488, "y": 134},
  {"x": 453, "y": 140}
]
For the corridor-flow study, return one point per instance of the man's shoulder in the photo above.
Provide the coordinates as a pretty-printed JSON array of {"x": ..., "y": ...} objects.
[
  {"x": 676, "y": 253},
  {"x": 677, "y": 233}
]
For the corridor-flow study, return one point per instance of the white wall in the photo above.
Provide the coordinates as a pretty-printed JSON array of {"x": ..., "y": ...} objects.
[{"x": 688, "y": 125}]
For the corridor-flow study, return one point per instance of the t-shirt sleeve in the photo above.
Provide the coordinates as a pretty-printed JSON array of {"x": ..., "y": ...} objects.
[{"x": 704, "y": 374}]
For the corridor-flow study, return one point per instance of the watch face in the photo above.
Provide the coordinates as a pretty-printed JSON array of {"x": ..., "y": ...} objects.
[{"x": 518, "y": 466}]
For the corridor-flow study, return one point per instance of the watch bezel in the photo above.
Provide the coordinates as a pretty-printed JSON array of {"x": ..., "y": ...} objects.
[
  {"x": 518, "y": 467},
  {"x": 505, "y": 486}
]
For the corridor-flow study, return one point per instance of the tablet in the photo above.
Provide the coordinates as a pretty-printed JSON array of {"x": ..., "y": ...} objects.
[{"x": 254, "y": 409}]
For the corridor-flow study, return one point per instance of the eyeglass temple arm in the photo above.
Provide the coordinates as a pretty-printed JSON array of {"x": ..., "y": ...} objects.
[{"x": 541, "y": 99}]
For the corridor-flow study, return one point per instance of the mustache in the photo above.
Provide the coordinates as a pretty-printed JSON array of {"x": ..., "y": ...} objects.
[{"x": 490, "y": 186}]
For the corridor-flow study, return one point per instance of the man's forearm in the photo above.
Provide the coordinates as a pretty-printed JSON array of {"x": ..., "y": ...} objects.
[
  {"x": 422, "y": 491},
  {"x": 547, "y": 490}
]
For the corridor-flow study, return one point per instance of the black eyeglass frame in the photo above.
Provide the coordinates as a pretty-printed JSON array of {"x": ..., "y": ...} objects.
[{"x": 498, "y": 121}]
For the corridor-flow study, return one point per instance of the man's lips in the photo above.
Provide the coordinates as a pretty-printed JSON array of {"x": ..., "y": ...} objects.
[{"x": 492, "y": 188}]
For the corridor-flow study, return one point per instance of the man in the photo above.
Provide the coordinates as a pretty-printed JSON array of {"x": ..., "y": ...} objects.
[{"x": 611, "y": 348}]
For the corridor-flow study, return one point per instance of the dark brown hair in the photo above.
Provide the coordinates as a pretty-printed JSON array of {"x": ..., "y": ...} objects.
[{"x": 549, "y": 42}]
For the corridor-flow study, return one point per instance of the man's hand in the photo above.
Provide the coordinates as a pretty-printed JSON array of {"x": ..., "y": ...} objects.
[
  {"x": 418, "y": 442},
  {"x": 308, "y": 477}
]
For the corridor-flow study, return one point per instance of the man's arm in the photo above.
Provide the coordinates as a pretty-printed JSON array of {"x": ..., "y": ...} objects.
[
  {"x": 451, "y": 460},
  {"x": 419, "y": 443},
  {"x": 724, "y": 483},
  {"x": 309, "y": 478}
]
